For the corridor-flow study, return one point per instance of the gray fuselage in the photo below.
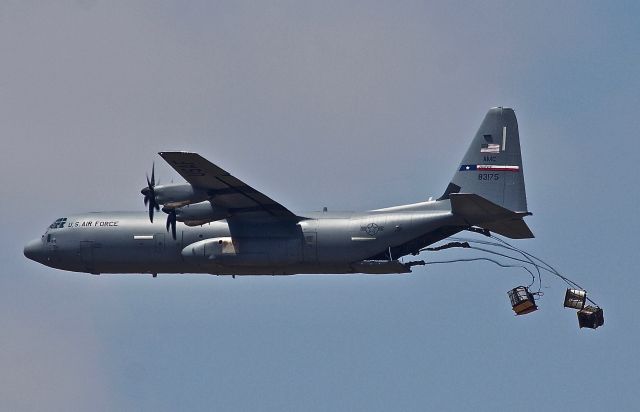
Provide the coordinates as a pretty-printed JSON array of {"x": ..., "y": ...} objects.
[{"x": 323, "y": 242}]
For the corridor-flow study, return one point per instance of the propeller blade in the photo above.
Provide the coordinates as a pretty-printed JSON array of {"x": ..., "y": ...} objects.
[
  {"x": 171, "y": 223},
  {"x": 149, "y": 193},
  {"x": 151, "y": 212}
]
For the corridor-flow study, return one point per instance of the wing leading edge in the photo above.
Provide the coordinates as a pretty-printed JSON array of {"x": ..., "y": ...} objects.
[{"x": 224, "y": 189}]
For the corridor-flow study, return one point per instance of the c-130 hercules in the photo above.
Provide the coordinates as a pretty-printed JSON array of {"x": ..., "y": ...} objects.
[{"x": 217, "y": 224}]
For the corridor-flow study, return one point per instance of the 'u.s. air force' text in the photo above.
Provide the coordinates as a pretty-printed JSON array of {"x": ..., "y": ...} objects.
[{"x": 94, "y": 223}]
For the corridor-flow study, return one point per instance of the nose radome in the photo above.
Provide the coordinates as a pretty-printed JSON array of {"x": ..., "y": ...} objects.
[{"x": 33, "y": 250}]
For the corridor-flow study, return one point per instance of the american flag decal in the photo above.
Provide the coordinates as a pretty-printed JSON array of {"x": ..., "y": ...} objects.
[
  {"x": 489, "y": 168},
  {"x": 490, "y": 148}
]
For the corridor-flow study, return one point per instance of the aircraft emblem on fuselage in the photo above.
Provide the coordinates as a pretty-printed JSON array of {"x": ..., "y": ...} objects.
[{"x": 372, "y": 229}]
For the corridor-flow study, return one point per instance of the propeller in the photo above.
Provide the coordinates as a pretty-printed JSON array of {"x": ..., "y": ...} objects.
[
  {"x": 171, "y": 221},
  {"x": 150, "y": 194}
]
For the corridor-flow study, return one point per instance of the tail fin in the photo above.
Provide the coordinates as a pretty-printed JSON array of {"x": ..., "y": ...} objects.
[{"x": 492, "y": 166}]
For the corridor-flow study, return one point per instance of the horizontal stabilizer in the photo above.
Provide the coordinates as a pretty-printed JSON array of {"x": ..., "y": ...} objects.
[
  {"x": 478, "y": 211},
  {"x": 513, "y": 229}
]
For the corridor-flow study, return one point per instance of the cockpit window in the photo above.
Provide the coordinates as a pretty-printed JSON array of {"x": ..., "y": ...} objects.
[{"x": 59, "y": 223}]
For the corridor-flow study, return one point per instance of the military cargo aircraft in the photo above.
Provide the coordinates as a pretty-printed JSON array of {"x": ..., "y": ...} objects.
[{"x": 217, "y": 224}]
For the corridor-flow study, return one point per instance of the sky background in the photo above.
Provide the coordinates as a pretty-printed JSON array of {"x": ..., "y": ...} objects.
[{"x": 347, "y": 104}]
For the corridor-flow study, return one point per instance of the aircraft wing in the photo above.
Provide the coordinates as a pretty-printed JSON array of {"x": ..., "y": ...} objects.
[{"x": 225, "y": 190}]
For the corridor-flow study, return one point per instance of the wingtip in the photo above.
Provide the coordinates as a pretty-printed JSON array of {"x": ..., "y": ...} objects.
[{"x": 175, "y": 151}]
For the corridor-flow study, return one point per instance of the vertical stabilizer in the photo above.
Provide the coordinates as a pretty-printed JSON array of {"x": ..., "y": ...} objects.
[{"x": 492, "y": 166}]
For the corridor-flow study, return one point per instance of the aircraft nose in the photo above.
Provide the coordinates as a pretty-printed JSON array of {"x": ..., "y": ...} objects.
[{"x": 34, "y": 250}]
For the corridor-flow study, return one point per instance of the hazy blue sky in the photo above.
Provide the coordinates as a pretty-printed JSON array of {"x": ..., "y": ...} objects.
[{"x": 345, "y": 104}]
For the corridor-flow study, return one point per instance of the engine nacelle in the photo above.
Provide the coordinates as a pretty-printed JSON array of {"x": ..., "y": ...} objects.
[
  {"x": 178, "y": 194},
  {"x": 199, "y": 213}
]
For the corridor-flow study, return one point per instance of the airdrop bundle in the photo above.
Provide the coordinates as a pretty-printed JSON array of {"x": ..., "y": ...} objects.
[{"x": 523, "y": 299}]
